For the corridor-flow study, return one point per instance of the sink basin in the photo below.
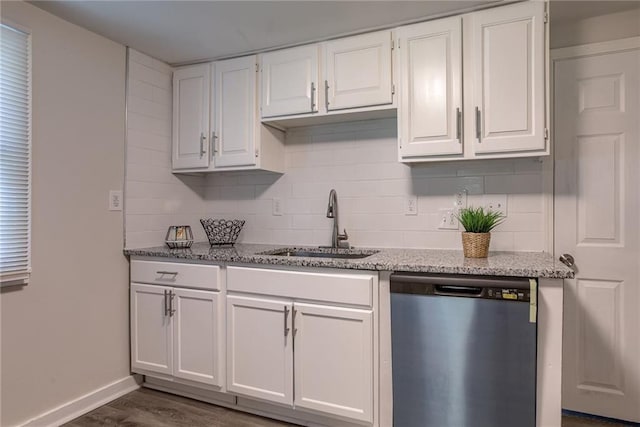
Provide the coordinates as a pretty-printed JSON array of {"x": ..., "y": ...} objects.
[{"x": 322, "y": 253}]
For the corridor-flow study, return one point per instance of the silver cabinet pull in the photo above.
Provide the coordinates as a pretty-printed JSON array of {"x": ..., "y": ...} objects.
[
  {"x": 293, "y": 322},
  {"x": 459, "y": 125},
  {"x": 326, "y": 94},
  {"x": 478, "y": 126},
  {"x": 171, "y": 309},
  {"x": 170, "y": 273},
  {"x": 214, "y": 142},
  {"x": 166, "y": 303},
  {"x": 202, "y": 148},
  {"x": 286, "y": 319},
  {"x": 313, "y": 97}
]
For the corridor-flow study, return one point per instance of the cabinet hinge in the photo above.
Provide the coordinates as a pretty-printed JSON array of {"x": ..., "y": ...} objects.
[
  {"x": 393, "y": 44},
  {"x": 546, "y": 133},
  {"x": 257, "y": 68},
  {"x": 257, "y": 152},
  {"x": 393, "y": 89},
  {"x": 546, "y": 17}
]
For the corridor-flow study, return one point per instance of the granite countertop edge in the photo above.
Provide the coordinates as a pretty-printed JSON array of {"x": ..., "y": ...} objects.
[{"x": 445, "y": 261}]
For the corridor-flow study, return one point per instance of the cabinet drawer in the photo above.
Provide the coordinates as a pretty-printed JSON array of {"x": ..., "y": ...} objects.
[
  {"x": 345, "y": 288},
  {"x": 176, "y": 274}
]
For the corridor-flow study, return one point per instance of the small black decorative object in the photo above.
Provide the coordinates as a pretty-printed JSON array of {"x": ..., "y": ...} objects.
[{"x": 222, "y": 231}]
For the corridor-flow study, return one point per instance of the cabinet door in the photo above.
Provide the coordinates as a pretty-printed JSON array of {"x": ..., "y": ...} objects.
[
  {"x": 289, "y": 81},
  {"x": 334, "y": 360},
  {"x": 151, "y": 335},
  {"x": 235, "y": 112},
  {"x": 196, "y": 324},
  {"x": 260, "y": 348},
  {"x": 191, "y": 88},
  {"x": 509, "y": 78},
  {"x": 358, "y": 71},
  {"x": 430, "y": 113}
]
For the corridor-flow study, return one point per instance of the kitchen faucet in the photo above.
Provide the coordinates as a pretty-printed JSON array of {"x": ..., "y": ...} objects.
[{"x": 337, "y": 240}]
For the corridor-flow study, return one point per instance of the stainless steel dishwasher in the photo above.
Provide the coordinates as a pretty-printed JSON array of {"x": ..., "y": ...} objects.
[{"x": 463, "y": 350}]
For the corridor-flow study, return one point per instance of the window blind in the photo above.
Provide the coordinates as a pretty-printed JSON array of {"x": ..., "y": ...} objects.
[{"x": 15, "y": 158}]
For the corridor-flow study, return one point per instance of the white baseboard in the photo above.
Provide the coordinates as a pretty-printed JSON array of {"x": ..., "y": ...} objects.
[{"x": 86, "y": 403}]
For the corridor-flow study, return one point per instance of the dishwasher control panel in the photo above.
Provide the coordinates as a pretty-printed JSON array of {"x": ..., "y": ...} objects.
[{"x": 508, "y": 294}]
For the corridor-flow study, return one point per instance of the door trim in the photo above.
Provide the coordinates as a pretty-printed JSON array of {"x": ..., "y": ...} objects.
[{"x": 619, "y": 45}]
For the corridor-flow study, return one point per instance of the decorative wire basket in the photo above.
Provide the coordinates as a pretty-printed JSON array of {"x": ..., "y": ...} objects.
[
  {"x": 222, "y": 231},
  {"x": 179, "y": 237}
]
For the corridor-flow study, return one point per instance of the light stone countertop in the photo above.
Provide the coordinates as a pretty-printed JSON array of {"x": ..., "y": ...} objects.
[{"x": 519, "y": 264}]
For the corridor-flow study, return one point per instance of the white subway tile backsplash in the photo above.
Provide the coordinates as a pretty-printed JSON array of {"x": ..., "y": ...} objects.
[
  {"x": 516, "y": 184},
  {"x": 358, "y": 159}
]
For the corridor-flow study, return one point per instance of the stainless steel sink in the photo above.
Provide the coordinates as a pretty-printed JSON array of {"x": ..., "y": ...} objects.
[{"x": 323, "y": 253}]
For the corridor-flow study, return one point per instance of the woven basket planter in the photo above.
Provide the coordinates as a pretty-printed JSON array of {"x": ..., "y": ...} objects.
[{"x": 475, "y": 245}]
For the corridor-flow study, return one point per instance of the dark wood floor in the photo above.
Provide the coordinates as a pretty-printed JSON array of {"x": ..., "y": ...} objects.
[{"x": 150, "y": 408}]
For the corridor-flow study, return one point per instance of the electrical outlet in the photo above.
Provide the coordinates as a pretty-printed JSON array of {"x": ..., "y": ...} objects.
[
  {"x": 460, "y": 199},
  {"x": 411, "y": 205},
  {"x": 277, "y": 206},
  {"x": 448, "y": 220},
  {"x": 115, "y": 200},
  {"x": 495, "y": 202}
]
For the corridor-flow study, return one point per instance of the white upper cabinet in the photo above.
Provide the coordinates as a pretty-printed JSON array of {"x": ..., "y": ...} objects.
[
  {"x": 235, "y": 112},
  {"x": 508, "y": 60},
  {"x": 191, "y": 87},
  {"x": 430, "y": 112},
  {"x": 289, "y": 81},
  {"x": 501, "y": 54},
  {"x": 358, "y": 71}
]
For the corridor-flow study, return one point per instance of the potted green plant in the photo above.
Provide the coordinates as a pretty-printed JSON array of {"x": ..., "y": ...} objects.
[{"x": 477, "y": 223}]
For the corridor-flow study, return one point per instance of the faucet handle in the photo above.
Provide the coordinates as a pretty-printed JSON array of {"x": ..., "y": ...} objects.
[{"x": 344, "y": 235}]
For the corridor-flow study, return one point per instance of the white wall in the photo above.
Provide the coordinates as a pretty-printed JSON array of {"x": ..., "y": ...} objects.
[
  {"x": 596, "y": 29},
  {"x": 66, "y": 333}
]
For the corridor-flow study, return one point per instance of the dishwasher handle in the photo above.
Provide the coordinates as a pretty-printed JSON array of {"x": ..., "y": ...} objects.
[{"x": 466, "y": 291}]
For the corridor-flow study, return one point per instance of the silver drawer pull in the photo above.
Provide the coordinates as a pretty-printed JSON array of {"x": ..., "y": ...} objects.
[{"x": 162, "y": 273}]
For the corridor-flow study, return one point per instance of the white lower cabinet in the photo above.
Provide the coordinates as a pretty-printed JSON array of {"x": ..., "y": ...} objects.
[
  {"x": 151, "y": 334},
  {"x": 174, "y": 332},
  {"x": 333, "y": 360},
  {"x": 260, "y": 348},
  {"x": 317, "y": 357}
]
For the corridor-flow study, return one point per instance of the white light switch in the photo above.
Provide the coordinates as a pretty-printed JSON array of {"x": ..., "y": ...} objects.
[
  {"x": 277, "y": 206},
  {"x": 411, "y": 205},
  {"x": 115, "y": 200}
]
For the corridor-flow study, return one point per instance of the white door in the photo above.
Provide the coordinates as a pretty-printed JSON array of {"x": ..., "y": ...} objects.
[
  {"x": 334, "y": 360},
  {"x": 597, "y": 199},
  {"x": 195, "y": 331},
  {"x": 260, "y": 348},
  {"x": 508, "y": 78},
  {"x": 191, "y": 117},
  {"x": 358, "y": 71},
  {"x": 235, "y": 112},
  {"x": 430, "y": 114},
  {"x": 151, "y": 335},
  {"x": 290, "y": 81}
]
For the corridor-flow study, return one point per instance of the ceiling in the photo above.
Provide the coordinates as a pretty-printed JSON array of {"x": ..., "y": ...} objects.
[{"x": 180, "y": 32}]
